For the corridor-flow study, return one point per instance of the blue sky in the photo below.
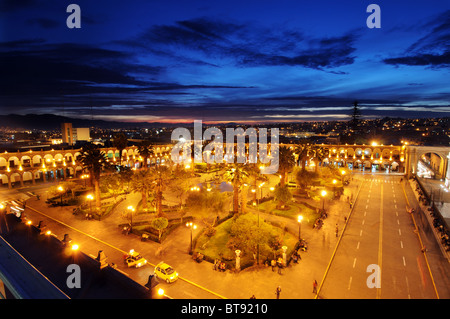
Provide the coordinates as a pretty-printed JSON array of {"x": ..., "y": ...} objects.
[{"x": 225, "y": 61}]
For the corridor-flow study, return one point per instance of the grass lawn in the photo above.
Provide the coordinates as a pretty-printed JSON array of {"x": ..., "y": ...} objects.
[
  {"x": 295, "y": 209},
  {"x": 216, "y": 246}
]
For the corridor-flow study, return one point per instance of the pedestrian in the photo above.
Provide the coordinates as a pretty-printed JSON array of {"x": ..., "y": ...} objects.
[
  {"x": 273, "y": 263},
  {"x": 314, "y": 286},
  {"x": 278, "y": 291},
  {"x": 280, "y": 265}
]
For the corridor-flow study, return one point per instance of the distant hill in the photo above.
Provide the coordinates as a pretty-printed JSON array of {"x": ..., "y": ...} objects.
[{"x": 53, "y": 122}]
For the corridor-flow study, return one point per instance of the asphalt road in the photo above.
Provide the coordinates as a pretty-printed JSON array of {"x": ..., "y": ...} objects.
[{"x": 379, "y": 254}]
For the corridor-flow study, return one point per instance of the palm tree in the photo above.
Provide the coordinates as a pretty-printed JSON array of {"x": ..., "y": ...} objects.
[
  {"x": 141, "y": 182},
  {"x": 94, "y": 160},
  {"x": 302, "y": 150},
  {"x": 120, "y": 142},
  {"x": 286, "y": 162},
  {"x": 319, "y": 155},
  {"x": 145, "y": 150},
  {"x": 161, "y": 176},
  {"x": 236, "y": 176}
]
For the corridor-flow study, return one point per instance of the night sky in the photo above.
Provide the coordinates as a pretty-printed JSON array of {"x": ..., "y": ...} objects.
[{"x": 225, "y": 61}]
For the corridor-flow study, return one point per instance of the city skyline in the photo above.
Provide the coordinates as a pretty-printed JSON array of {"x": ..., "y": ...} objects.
[{"x": 249, "y": 62}]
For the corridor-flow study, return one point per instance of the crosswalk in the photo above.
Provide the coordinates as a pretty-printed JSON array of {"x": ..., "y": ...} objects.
[{"x": 380, "y": 180}]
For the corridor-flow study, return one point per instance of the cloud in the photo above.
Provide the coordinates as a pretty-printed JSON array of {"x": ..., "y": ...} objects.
[
  {"x": 44, "y": 23},
  {"x": 12, "y": 5},
  {"x": 432, "y": 50},
  {"x": 247, "y": 45},
  {"x": 433, "y": 60}
]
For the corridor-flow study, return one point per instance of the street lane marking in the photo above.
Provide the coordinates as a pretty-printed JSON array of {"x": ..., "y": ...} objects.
[
  {"x": 360, "y": 233},
  {"x": 349, "y": 283},
  {"x": 380, "y": 242},
  {"x": 404, "y": 261},
  {"x": 357, "y": 246},
  {"x": 401, "y": 243},
  {"x": 421, "y": 244},
  {"x": 354, "y": 262},
  {"x": 399, "y": 232}
]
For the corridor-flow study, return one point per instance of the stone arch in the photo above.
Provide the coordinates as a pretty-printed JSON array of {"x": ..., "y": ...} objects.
[
  {"x": 37, "y": 160},
  {"x": 4, "y": 179},
  {"x": 376, "y": 153},
  {"x": 25, "y": 161},
  {"x": 27, "y": 176},
  {"x": 15, "y": 179},
  {"x": 58, "y": 158},
  {"x": 3, "y": 162},
  {"x": 48, "y": 158}
]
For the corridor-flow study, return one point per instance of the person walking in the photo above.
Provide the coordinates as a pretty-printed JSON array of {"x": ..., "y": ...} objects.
[
  {"x": 273, "y": 263},
  {"x": 314, "y": 286},
  {"x": 278, "y": 291},
  {"x": 280, "y": 265}
]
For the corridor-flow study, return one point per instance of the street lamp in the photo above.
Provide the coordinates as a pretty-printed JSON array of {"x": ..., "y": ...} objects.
[
  {"x": 131, "y": 210},
  {"x": 84, "y": 177},
  {"x": 191, "y": 226},
  {"x": 90, "y": 198},
  {"x": 324, "y": 193},
  {"x": 61, "y": 190},
  {"x": 334, "y": 188},
  {"x": 299, "y": 219}
]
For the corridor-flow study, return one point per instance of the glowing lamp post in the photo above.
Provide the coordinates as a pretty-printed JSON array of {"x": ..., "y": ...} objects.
[
  {"x": 299, "y": 219},
  {"x": 61, "y": 190},
  {"x": 90, "y": 198},
  {"x": 191, "y": 226},
  {"x": 324, "y": 193}
]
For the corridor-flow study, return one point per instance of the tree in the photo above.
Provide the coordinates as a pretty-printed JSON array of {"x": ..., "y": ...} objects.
[
  {"x": 286, "y": 162},
  {"x": 180, "y": 182},
  {"x": 355, "y": 115},
  {"x": 160, "y": 180},
  {"x": 141, "y": 182},
  {"x": 248, "y": 233},
  {"x": 302, "y": 150},
  {"x": 207, "y": 205},
  {"x": 160, "y": 224},
  {"x": 305, "y": 178},
  {"x": 125, "y": 174},
  {"x": 120, "y": 142},
  {"x": 236, "y": 176},
  {"x": 319, "y": 156},
  {"x": 282, "y": 195},
  {"x": 145, "y": 150},
  {"x": 94, "y": 160},
  {"x": 112, "y": 184}
]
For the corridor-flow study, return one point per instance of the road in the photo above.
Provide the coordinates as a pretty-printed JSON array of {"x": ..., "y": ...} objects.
[{"x": 379, "y": 253}]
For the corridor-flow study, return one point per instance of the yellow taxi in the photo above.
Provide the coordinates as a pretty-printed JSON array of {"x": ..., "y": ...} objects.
[
  {"x": 166, "y": 272},
  {"x": 134, "y": 259}
]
